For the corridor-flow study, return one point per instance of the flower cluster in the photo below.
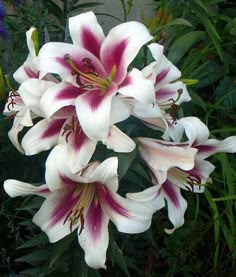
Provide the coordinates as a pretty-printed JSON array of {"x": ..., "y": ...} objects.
[{"x": 77, "y": 93}]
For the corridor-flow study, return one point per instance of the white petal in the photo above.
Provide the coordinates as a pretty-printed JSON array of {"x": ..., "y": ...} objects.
[
  {"x": 79, "y": 147},
  {"x": 51, "y": 217},
  {"x": 58, "y": 175},
  {"x": 143, "y": 111},
  {"x": 164, "y": 71},
  {"x": 149, "y": 197},
  {"x": 119, "y": 141},
  {"x": 31, "y": 91},
  {"x": 94, "y": 237},
  {"x": 137, "y": 87},
  {"x": 120, "y": 110},
  {"x": 28, "y": 70},
  {"x": 21, "y": 120},
  {"x": 59, "y": 96},
  {"x": 93, "y": 110},
  {"x": 128, "y": 216},
  {"x": 177, "y": 205},
  {"x": 213, "y": 146},
  {"x": 17, "y": 188},
  {"x": 86, "y": 32},
  {"x": 157, "y": 50},
  {"x": 121, "y": 46},
  {"x": 160, "y": 155},
  {"x": 30, "y": 42},
  {"x": 42, "y": 136},
  {"x": 172, "y": 93},
  {"x": 52, "y": 59},
  {"x": 196, "y": 131},
  {"x": 106, "y": 173}
]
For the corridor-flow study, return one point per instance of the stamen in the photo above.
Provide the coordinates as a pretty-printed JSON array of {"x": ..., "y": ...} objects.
[
  {"x": 91, "y": 76},
  {"x": 186, "y": 177},
  {"x": 74, "y": 127},
  {"x": 10, "y": 98},
  {"x": 84, "y": 193},
  {"x": 173, "y": 106}
]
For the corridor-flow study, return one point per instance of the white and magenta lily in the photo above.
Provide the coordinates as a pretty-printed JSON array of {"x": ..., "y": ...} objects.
[
  {"x": 168, "y": 180},
  {"x": 86, "y": 202},
  {"x": 97, "y": 66},
  {"x": 169, "y": 94}
]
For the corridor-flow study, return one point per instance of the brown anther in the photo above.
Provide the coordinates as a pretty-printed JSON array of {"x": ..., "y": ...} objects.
[{"x": 10, "y": 98}]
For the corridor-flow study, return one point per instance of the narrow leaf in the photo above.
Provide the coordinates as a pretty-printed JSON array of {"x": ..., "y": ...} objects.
[{"x": 182, "y": 45}]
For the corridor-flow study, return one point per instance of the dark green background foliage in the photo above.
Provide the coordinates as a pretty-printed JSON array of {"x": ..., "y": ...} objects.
[{"x": 199, "y": 38}]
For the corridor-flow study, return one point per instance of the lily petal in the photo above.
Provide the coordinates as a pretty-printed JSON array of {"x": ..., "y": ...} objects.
[
  {"x": 176, "y": 92},
  {"x": 80, "y": 148},
  {"x": 16, "y": 188},
  {"x": 160, "y": 155},
  {"x": 31, "y": 91},
  {"x": 137, "y": 87},
  {"x": 59, "y": 96},
  {"x": 125, "y": 213},
  {"x": 177, "y": 205},
  {"x": 21, "y": 120},
  {"x": 52, "y": 59},
  {"x": 86, "y": 32},
  {"x": 53, "y": 214},
  {"x": 119, "y": 141},
  {"x": 28, "y": 70},
  {"x": 121, "y": 46},
  {"x": 213, "y": 146},
  {"x": 93, "y": 111},
  {"x": 144, "y": 111},
  {"x": 58, "y": 174},
  {"x": 42, "y": 136},
  {"x": 30, "y": 42},
  {"x": 196, "y": 131},
  {"x": 120, "y": 110},
  {"x": 94, "y": 238},
  {"x": 164, "y": 71},
  {"x": 106, "y": 174},
  {"x": 150, "y": 197}
]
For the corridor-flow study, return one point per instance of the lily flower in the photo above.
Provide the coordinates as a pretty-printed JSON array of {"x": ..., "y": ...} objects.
[
  {"x": 169, "y": 94},
  {"x": 169, "y": 181},
  {"x": 23, "y": 106},
  {"x": 85, "y": 202},
  {"x": 98, "y": 67}
]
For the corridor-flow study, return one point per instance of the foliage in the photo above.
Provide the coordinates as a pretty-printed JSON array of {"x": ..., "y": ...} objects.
[{"x": 199, "y": 38}]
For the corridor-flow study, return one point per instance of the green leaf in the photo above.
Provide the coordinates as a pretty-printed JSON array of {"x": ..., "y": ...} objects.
[
  {"x": 36, "y": 256},
  {"x": 125, "y": 160},
  {"x": 199, "y": 2},
  {"x": 30, "y": 272},
  {"x": 34, "y": 241},
  {"x": 118, "y": 257},
  {"x": 2, "y": 86},
  {"x": 182, "y": 45},
  {"x": 197, "y": 100},
  {"x": 54, "y": 9},
  {"x": 58, "y": 249},
  {"x": 35, "y": 203},
  {"x": 216, "y": 223},
  {"x": 175, "y": 21},
  {"x": 212, "y": 32},
  {"x": 225, "y": 198}
]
